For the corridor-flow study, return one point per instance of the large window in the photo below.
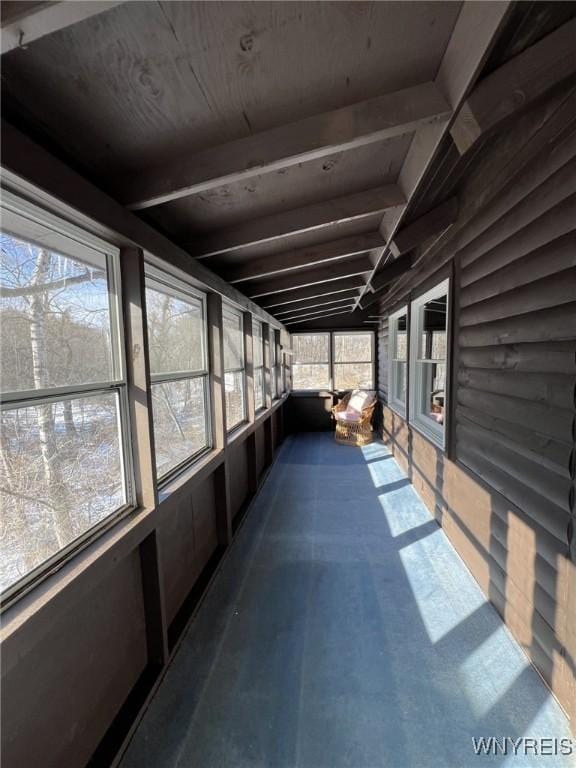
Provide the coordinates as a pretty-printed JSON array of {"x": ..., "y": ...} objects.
[
  {"x": 339, "y": 360},
  {"x": 428, "y": 352},
  {"x": 398, "y": 360},
  {"x": 353, "y": 360},
  {"x": 64, "y": 458},
  {"x": 311, "y": 361},
  {"x": 234, "y": 373},
  {"x": 178, "y": 370},
  {"x": 258, "y": 356},
  {"x": 274, "y": 365}
]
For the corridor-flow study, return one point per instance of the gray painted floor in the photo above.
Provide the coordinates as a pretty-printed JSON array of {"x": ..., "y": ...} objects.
[{"x": 343, "y": 630}]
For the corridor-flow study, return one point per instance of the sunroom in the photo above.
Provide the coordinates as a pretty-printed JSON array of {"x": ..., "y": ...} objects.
[{"x": 288, "y": 384}]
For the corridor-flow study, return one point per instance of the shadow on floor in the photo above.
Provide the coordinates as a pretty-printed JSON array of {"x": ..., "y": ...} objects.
[{"x": 344, "y": 630}]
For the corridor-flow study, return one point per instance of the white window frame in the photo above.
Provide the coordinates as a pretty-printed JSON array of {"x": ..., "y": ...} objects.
[
  {"x": 230, "y": 309},
  {"x": 396, "y": 405},
  {"x": 435, "y": 432},
  {"x": 159, "y": 279},
  {"x": 327, "y": 362},
  {"x": 32, "y": 223},
  {"x": 372, "y": 362},
  {"x": 259, "y": 338}
]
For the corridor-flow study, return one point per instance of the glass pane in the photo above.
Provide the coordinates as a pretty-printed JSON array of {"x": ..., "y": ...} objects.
[
  {"x": 353, "y": 376},
  {"x": 54, "y": 319},
  {"x": 259, "y": 388},
  {"x": 257, "y": 344},
  {"x": 175, "y": 331},
  {"x": 433, "y": 339},
  {"x": 272, "y": 347},
  {"x": 433, "y": 390},
  {"x": 234, "y": 388},
  {"x": 233, "y": 338},
  {"x": 311, "y": 348},
  {"x": 180, "y": 418},
  {"x": 401, "y": 351},
  {"x": 310, "y": 376},
  {"x": 60, "y": 475},
  {"x": 399, "y": 393},
  {"x": 352, "y": 347}
]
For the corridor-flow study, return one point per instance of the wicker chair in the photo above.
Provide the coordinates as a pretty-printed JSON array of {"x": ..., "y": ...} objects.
[{"x": 357, "y": 428}]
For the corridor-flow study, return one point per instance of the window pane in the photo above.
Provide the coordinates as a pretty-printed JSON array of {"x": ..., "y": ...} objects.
[
  {"x": 352, "y": 347},
  {"x": 433, "y": 338},
  {"x": 311, "y": 348},
  {"x": 257, "y": 344},
  {"x": 54, "y": 318},
  {"x": 234, "y": 388},
  {"x": 175, "y": 331},
  {"x": 180, "y": 421},
  {"x": 233, "y": 338},
  {"x": 433, "y": 390},
  {"x": 401, "y": 350},
  {"x": 272, "y": 348},
  {"x": 310, "y": 376},
  {"x": 259, "y": 387},
  {"x": 399, "y": 393},
  {"x": 60, "y": 475},
  {"x": 353, "y": 376}
]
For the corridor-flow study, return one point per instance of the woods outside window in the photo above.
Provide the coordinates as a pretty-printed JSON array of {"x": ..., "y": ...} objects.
[
  {"x": 234, "y": 367},
  {"x": 176, "y": 316},
  {"x": 428, "y": 360},
  {"x": 353, "y": 356},
  {"x": 258, "y": 356},
  {"x": 343, "y": 360},
  {"x": 65, "y": 460},
  {"x": 398, "y": 360}
]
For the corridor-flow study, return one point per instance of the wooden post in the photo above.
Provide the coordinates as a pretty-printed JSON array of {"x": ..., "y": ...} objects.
[
  {"x": 218, "y": 416},
  {"x": 154, "y": 610}
]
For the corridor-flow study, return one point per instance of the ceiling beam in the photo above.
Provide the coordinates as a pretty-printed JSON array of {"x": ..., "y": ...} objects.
[
  {"x": 324, "y": 317},
  {"x": 304, "y": 257},
  {"x": 435, "y": 222},
  {"x": 318, "y": 313},
  {"x": 475, "y": 32},
  {"x": 31, "y": 21},
  {"x": 328, "y": 301},
  {"x": 332, "y": 289},
  {"x": 391, "y": 271},
  {"x": 515, "y": 84},
  {"x": 282, "y": 228},
  {"x": 367, "y": 122},
  {"x": 306, "y": 277}
]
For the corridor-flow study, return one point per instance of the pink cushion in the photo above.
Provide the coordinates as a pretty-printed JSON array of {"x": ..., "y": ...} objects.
[
  {"x": 349, "y": 415},
  {"x": 360, "y": 399}
]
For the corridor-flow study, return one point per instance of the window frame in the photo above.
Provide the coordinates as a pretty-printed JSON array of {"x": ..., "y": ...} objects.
[
  {"x": 179, "y": 288},
  {"x": 401, "y": 408},
  {"x": 256, "y": 323},
  {"x": 231, "y": 309},
  {"x": 33, "y": 224},
  {"x": 372, "y": 362},
  {"x": 331, "y": 362},
  {"x": 435, "y": 432}
]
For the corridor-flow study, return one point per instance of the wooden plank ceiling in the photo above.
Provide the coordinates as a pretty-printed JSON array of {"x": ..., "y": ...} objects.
[{"x": 278, "y": 142}]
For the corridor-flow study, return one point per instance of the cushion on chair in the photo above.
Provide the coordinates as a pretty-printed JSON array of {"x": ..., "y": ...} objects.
[
  {"x": 348, "y": 415},
  {"x": 360, "y": 399}
]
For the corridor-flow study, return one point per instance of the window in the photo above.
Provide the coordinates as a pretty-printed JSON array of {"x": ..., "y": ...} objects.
[
  {"x": 65, "y": 466},
  {"x": 398, "y": 359},
  {"x": 353, "y": 360},
  {"x": 311, "y": 361},
  {"x": 178, "y": 370},
  {"x": 274, "y": 365},
  {"x": 428, "y": 352},
  {"x": 233, "y": 340},
  {"x": 258, "y": 355}
]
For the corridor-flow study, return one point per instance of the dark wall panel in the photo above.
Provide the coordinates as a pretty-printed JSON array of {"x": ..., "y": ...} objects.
[
  {"x": 238, "y": 469},
  {"x": 260, "y": 446},
  {"x": 309, "y": 413},
  {"x": 96, "y": 651}
]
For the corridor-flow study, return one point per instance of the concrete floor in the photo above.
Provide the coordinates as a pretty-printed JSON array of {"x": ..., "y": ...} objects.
[{"x": 343, "y": 630}]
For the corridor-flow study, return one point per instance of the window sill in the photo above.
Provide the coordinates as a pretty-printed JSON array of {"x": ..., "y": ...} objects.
[
  {"x": 427, "y": 431},
  {"x": 204, "y": 464},
  {"x": 237, "y": 432},
  {"x": 398, "y": 409}
]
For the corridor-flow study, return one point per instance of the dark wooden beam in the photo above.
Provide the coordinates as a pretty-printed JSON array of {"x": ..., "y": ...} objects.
[
  {"x": 307, "y": 277},
  {"x": 385, "y": 276},
  {"x": 332, "y": 289},
  {"x": 515, "y": 84},
  {"x": 22, "y": 23},
  {"x": 304, "y": 257},
  {"x": 435, "y": 222},
  {"x": 323, "y": 317},
  {"x": 282, "y": 228},
  {"x": 367, "y": 122},
  {"x": 317, "y": 303}
]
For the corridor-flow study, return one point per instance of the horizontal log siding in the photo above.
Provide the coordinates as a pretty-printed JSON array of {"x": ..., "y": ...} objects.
[{"x": 506, "y": 496}]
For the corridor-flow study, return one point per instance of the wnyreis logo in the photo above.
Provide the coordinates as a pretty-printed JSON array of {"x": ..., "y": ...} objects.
[{"x": 505, "y": 745}]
